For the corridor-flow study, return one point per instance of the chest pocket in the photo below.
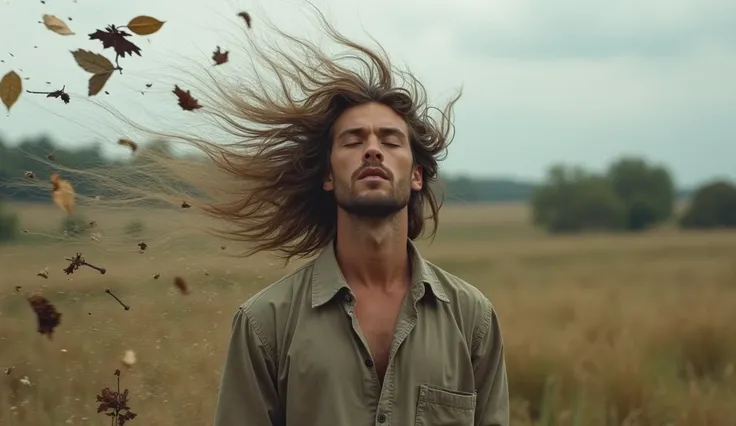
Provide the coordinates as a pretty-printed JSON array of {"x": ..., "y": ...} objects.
[{"x": 438, "y": 406}]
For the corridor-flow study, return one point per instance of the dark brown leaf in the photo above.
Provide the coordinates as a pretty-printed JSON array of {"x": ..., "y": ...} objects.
[
  {"x": 220, "y": 57},
  {"x": 186, "y": 101},
  {"x": 181, "y": 285},
  {"x": 246, "y": 16},
  {"x": 48, "y": 317},
  {"x": 113, "y": 37}
]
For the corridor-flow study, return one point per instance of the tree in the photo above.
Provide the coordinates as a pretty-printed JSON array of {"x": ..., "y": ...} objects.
[
  {"x": 646, "y": 190},
  {"x": 713, "y": 206},
  {"x": 573, "y": 200}
]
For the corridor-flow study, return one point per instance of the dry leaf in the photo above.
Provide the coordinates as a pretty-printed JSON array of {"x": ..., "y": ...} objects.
[
  {"x": 10, "y": 88},
  {"x": 181, "y": 285},
  {"x": 62, "y": 193},
  {"x": 92, "y": 62},
  {"x": 113, "y": 37},
  {"x": 129, "y": 358},
  {"x": 186, "y": 101},
  {"x": 155, "y": 277},
  {"x": 44, "y": 273},
  {"x": 144, "y": 25},
  {"x": 56, "y": 25},
  {"x": 220, "y": 57},
  {"x": 246, "y": 16},
  {"x": 46, "y": 314},
  {"x": 129, "y": 143},
  {"x": 97, "y": 82}
]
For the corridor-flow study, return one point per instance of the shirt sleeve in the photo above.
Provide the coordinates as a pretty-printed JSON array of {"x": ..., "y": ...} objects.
[
  {"x": 248, "y": 393},
  {"x": 489, "y": 367}
]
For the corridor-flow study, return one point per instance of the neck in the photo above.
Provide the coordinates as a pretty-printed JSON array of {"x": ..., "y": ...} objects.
[{"x": 372, "y": 252}]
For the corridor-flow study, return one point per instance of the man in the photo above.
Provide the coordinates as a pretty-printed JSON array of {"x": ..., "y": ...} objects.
[{"x": 368, "y": 332}]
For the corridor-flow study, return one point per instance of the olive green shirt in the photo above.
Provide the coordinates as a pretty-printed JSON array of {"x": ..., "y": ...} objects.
[{"x": 297, "y": 356}]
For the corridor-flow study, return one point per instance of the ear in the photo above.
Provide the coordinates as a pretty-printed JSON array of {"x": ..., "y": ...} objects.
[
  {"x": 416, "y": 178},
  {"x": 328, "y": 184}
]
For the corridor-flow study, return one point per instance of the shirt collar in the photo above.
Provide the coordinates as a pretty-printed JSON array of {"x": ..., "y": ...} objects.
[{"x": 328, "y": 280}]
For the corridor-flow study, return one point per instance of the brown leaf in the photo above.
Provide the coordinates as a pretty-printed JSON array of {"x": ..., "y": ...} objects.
[
  {"x": 155, "y": 277},
  {"x": 113, "y": 37},
  {"x": 62, "y": 193},
  {"x": 44, "y": 273},
  {"x": 46, "y": 314},
  {"x": 181, "y": 285},
  {"x": 129, "y": 143},
  {"x": 220, "y": 57},
  {"x": 92, "y": 62},
  {"x": 246, "y": 16},
  {"x": 59, "y": 94},
  {"x": 186, "y": 101},
  {"x": 56, "y": 25},
  {"x": 97, "y": 82},
  {"x": 10, "y": 88},
  {"x": 144, "y": 25}
]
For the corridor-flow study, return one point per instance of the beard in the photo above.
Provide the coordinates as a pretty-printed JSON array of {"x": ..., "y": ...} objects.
[{"x": 373, "y": 206}]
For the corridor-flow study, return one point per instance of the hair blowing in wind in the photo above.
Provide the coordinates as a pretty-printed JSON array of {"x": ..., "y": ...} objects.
[{"x": 266, "y": 185}]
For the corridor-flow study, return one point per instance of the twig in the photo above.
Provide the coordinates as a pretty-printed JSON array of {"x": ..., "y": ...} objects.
[{"x": 127, "y": 307}]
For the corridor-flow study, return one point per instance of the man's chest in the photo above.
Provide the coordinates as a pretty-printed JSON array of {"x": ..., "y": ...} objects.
[{"x": 329, "y": 369}]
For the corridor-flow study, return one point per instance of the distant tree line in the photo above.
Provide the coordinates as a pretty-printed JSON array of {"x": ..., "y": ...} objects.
[{"x": 632, "y": 195}]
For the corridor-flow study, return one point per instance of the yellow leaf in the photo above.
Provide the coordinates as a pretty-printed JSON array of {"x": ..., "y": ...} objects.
[
  {"x": 62, "y": 193},
  {"x": 144, "y": 25},
  {"x": 97, "y": 82},
  {"x": 10, "y": 88},
  {"x": 92, "y": 62},
  {"x": 56, "y": 25}
]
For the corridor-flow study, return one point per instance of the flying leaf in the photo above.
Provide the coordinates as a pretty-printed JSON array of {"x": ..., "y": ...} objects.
[
  {"x": 186, "y": 101},
  {"x": 62, "y": 193},
  {"x": 129, "y": 143},
  {"x": 181, "y": 284},
  {"x": 246, "y": 16},
  {"x": 113, "y": 37},
  {"x": 59, "y": 94},
  {"x": 92, "y": 62},
  {"x": 220, "y": 57},
  {"x": 46, "y": 314},
  {"x": 56, "y": 25},
  {"x": 144, "y": 25},
  {"x": 97, "y": 82},
  {"x": 10, "y": 88}
]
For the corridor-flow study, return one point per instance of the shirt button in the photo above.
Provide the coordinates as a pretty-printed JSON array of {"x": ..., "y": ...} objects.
[
  {"x": 381, "y": 418},
  {"x": 348, "y": 297},
  {"x": 369, "y": 363}
]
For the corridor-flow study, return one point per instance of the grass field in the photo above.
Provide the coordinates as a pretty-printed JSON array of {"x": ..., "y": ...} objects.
[{"x": 599, "y": 329}]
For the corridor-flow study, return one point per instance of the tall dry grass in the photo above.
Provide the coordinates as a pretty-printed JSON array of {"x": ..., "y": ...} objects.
[{"x": 599, "y": 329}]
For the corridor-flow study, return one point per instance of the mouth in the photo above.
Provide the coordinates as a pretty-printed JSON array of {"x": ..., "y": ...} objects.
[{"x": 372, "y": 173}]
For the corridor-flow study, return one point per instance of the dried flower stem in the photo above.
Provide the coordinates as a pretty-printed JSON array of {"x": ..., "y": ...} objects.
[
  {"x": 78, "y": 261},
  {"x": 127, "y": 307}
]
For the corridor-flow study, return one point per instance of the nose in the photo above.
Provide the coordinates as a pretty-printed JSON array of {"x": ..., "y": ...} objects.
[{"x": 373, "y": 153}]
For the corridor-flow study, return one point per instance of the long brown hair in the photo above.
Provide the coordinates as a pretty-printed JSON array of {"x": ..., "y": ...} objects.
[{"x": 268, "y": 184}]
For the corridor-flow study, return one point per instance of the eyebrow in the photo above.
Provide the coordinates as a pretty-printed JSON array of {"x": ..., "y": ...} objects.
[{"x": 384, "y": 130}]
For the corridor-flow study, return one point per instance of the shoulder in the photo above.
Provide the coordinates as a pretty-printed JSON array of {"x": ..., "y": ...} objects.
[
  {"x": 269, "y": 310},
  {"x": 471, "y": 306}
]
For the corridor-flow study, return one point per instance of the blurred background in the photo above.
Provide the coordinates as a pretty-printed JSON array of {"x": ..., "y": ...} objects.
[{"x": 589, "y": 192}]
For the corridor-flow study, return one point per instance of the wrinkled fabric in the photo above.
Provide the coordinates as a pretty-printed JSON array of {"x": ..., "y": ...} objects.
[{"x": 297, "y": 357}]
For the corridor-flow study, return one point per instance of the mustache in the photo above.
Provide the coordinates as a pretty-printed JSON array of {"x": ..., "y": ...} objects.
[{"x": 372, "y": 166}]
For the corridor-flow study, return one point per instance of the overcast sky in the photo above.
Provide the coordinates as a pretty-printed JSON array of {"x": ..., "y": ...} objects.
[{"x": 545, "y": 81}]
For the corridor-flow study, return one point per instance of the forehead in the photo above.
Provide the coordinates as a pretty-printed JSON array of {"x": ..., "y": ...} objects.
[{"x": 370, "y": 115}]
